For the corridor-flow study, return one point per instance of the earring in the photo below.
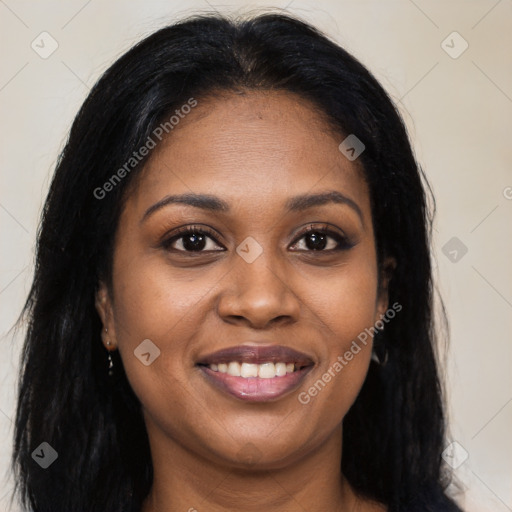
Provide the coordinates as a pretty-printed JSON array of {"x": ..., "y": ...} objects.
[
  {"x": 380, "y": 354},
  {"x": 110, "y": 362}
]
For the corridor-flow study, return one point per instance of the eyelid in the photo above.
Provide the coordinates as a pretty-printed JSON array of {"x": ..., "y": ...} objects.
[{"x": 320, "y": 226}]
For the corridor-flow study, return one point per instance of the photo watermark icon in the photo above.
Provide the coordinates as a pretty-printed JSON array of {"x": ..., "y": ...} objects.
[
  {"x": 146, "y": 352},
  {"x": 304, "y": 397},
  {"x": 44, "y": 45},
  {"x": 455, "y": 455},
  {"x": 454, "y": 45},
  {"x": 137, "y": 156},
  {"x": 45, "y": 455},
  {"x": 352, "y": 147}
]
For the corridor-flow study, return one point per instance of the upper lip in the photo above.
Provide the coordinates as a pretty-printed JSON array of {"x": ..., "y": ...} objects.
[{"x": 257, "y": 354}]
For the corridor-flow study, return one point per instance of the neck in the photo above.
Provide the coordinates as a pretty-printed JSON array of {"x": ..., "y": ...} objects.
[{"x": 183, "y": 481}]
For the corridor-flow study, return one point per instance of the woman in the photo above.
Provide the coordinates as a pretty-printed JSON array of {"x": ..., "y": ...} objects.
[{"x": 232, "y": 303}]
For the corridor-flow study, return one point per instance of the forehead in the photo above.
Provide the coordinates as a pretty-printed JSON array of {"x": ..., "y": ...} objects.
[{"x": 258, "y": 148}]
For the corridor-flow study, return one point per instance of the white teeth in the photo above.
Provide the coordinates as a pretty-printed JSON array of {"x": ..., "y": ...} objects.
[
  {"x": 281, "y": 369},
  {"x": 267, "y": 371},
  {"x": 249, "y": 370},
  {"x": 263, "y": 371},
  {"x": 234, "y": 369}
]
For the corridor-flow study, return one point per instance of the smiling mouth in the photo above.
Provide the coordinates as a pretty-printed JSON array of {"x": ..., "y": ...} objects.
[{"x": 256, "y": 373}]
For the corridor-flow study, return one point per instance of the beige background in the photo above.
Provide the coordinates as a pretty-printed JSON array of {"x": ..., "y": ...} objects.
[{"x": 459, "y": 113}]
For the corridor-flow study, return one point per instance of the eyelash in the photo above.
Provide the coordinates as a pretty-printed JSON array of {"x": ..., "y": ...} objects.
[{"x": 343, "y": 242}]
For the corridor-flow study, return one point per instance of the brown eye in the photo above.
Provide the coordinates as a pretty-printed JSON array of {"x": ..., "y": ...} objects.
[
  {"x": 192, "y": 239},
  {"x": 322, "y": 240}
]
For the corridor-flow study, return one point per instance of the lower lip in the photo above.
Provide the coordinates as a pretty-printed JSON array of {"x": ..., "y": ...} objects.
[{"x": 255, "y": 389}]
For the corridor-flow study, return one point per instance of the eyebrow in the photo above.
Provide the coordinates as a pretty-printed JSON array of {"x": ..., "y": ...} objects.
[{"x": 215, "y": 204}]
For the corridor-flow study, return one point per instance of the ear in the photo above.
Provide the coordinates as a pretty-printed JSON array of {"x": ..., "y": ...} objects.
[
  {"x": 388, "y": 267},
  {"x": 103, "y": 303}
]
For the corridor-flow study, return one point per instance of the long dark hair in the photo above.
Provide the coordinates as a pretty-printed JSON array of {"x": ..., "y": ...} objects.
[{"x": 393, "y": 434}]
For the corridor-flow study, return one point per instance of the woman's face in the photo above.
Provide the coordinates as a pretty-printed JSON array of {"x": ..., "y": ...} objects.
[{"x": 247, "y": 289}]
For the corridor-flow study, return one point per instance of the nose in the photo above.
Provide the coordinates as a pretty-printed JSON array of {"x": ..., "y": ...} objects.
[{"x": 257, "y": 296}]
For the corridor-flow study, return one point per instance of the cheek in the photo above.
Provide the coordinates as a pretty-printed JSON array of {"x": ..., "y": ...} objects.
[
  {"x": 345, "y": 301},
  {"x": 353, "y": 307},
  {"x": 153, "y": 303},
  {"x": 153, "y": 300},
  {"x": 345, "y": 307}
]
